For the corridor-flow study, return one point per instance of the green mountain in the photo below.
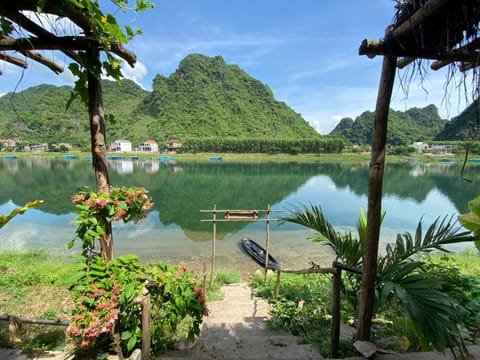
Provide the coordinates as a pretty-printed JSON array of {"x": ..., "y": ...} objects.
[
  {"x": 404, "y": 128},
  {"x": 39, "y": 115},
  {"x": 465, "y": 126},
  {"x": 204, "y": 97}
]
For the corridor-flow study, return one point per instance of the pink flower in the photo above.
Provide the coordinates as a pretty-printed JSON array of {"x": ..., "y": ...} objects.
[
  {"x": 101, "y": 203},
  {"x": 119, "y": 215}
]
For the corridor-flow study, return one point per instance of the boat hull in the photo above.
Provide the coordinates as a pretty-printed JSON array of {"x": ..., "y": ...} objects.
[{"x": 257, "y": 253}]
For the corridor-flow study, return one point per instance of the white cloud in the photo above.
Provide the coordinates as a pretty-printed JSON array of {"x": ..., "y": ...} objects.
[
  {"x": 244, "y": 49},
  {"x": 136, "y": 73},
  {"x": 54, "y": 24}
]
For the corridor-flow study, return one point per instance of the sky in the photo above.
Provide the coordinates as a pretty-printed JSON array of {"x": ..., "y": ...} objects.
[{"x": 305, "y": 51}]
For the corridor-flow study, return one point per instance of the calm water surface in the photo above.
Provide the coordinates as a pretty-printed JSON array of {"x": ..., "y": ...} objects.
[{"x": 175, "y": 232}]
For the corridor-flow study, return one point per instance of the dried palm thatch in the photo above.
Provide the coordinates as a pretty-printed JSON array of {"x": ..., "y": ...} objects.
[{"x": 442, "y": 30}]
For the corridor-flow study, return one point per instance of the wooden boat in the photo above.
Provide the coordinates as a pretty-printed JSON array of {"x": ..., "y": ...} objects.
[
  {"x": 257, "y": 253},
  {"x": 448, "y": 160}
]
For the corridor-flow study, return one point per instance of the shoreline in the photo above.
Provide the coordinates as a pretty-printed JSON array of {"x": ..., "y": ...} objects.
[{"x": 364, "y": 157}]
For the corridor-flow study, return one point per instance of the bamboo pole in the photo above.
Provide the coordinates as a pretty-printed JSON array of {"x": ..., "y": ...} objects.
[
  {"x": 277, "y": 285},
  {"x": 335, "y": 335},
  {"x": 212, "y": 275},
  {"x": 35, "y": 321},
  {"x": 267, "y": 242},
  {"x": 146, "y": 319},
  {"x": 375, "y": 179}
]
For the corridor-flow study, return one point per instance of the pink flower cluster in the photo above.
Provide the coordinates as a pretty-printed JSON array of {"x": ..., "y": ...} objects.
[{"x": 94, "y": 314}]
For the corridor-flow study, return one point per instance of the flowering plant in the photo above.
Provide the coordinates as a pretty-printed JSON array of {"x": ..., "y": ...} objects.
[
  {"x": 95, "y": 210},
  {"x": 101, "y": 292},
  {"x": 105, "y": 294}
]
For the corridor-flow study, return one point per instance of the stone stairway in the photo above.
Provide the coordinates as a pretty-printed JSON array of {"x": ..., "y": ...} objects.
[{"x": 236, "y": 329}]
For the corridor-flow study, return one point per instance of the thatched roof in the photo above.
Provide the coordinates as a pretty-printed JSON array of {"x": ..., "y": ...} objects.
[
  {"x": 28, "y": 36},
  {"x": 444, "y": 31}
]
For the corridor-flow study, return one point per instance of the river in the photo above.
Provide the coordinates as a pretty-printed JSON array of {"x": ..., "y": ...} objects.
[{"x": 178, "y": 230}]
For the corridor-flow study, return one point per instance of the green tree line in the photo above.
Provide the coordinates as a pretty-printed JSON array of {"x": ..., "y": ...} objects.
[{"x": 268, "y": 146}]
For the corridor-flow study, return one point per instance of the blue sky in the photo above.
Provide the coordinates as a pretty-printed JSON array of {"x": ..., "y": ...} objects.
[{"x": 306, "y": 51}]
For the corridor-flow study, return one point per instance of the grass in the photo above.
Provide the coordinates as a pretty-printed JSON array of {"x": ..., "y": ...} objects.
[
  {"x": 33, "y": 284},
  {"x": 222, "y": 277},
  {"x": 304, "y": 304}
]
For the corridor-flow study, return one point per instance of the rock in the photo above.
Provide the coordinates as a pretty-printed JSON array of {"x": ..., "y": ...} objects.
[
  {"x": 366, "y": 348},
  {"x": 136, "y": 355}
]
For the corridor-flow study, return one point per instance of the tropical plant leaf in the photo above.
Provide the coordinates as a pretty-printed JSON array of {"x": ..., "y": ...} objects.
[
  {"x": 346, "y": 248},
  {"x": 441, "y": 232},
  {"x": 432, "y": 314}
]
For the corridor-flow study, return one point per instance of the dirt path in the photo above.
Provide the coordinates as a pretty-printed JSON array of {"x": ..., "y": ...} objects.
[{"x": 236, "y": 329}]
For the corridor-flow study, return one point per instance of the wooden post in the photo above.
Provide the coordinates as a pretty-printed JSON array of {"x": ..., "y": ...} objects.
[
  {"x": 146, "y": 326},
  {"x": 99, "y": 149},
  {"x": 277, "y": 285},
  {"x": 375, "y": 179},
  {"x": 212, "y": 275},
  {"x": 267, "y": 242},
  {"x": 335, "y": 336},
  {"x": 204, "y": 279}
]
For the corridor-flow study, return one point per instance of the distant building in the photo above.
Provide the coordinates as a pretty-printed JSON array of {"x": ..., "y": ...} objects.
[
  {"x": 420, "y": 146},
  {"x": 149, "y": 146},
  {"x": 39, "y": 147},
  {"x": 433, "y": 148},
  {"x": 122, "y": 146},
  {"x": 173, "y": 145},
  {"x": 441, "y": 149},
  {"x": 8, "y": 143}
]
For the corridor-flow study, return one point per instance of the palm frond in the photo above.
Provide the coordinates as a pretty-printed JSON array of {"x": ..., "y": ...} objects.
[
  {"x": 431, "y": 313},
  {"x": 441, "y": 232},
  {"x": 346, "y": 248}
]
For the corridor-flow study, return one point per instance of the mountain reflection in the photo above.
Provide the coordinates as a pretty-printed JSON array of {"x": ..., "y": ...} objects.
[{"x": 180, "y": 189}]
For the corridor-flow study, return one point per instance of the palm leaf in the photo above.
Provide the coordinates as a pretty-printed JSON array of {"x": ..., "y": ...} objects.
[
  {"x": 346, "y": 248},
  {"x": 431, "y": 313},
  {"x": 441, "y": 232}
]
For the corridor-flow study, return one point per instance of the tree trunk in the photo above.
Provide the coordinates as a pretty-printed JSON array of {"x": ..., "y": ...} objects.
[
  {"x": 375, "y": 180},
  {"x": 99, "y": 151}
]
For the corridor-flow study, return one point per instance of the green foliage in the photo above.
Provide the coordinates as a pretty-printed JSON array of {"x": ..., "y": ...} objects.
[
  {"x": 4, "y": 219},
  {"x": 303, "y": 307},
  {"x": 402, "y": 283},
  {"x": 35, "y": 267},
  {"x": 96, "y": 210},
  {"x": 404, "y": 128},
  {"x": 402, "y": 150},
  {"x": 106, "y": 294},
  {"x": 471, "y": 220},
  {"x": 463, "y": 127},
  {"x": 106, "y": 303},
  {"x": 204, "y": 98},
  {"x": 265, "y": 145},
  {"x": 461, "y": 285},
  {"x": 105, "y": 29},
  {"x": 38, "y": 115}
]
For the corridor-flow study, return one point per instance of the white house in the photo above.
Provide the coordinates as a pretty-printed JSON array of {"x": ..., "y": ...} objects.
[
  {"x": 122, "y": 146},
  {"x": 149, "y": 146}
]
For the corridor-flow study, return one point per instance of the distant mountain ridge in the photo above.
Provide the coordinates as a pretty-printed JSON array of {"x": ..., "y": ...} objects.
[
  {"x": 466, "y": 126},
  {"x": 404, "y": 128},
  {"x": 203, "y": 98}
]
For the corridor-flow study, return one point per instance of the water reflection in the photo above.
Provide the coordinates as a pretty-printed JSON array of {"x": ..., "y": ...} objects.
[{"x": 181, "y": 189}]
